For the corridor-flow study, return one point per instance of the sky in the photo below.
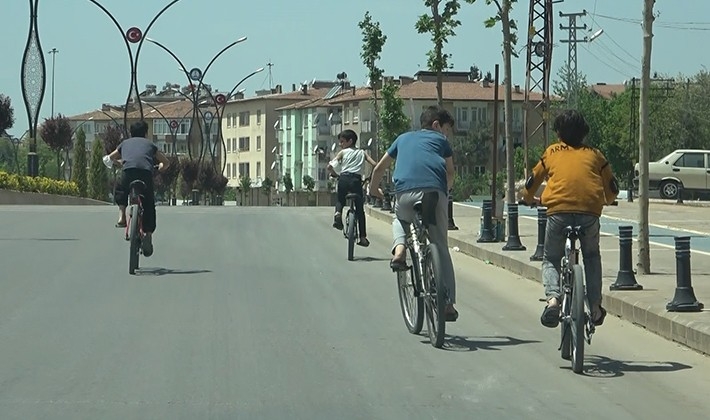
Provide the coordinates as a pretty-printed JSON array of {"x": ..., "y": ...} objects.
[{"x": 314, "y": 39}]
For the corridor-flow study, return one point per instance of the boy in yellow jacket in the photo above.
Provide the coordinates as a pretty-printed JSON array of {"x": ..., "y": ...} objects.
[{"x": 579, "y": 183}]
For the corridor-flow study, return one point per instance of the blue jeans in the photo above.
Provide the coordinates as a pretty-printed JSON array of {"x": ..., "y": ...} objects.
[{"x": 555, "y": 251}]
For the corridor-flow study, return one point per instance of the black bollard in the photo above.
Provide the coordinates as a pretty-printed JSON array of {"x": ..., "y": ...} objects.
[
  {"x": 195, "y": 197},
  {"x": 679, "y": 199},
  {"x": 541, "y": 228},
  {"x": 386, "y": 201},
  {"x": 625, "y": 279},
  {"x": 487, "y": 234},
  {"x": 513, "y": 243},
  {"x": 630, "y": 191},
  {"x": 452, "y": 224},
  {"x": 684, "y": 299},
  {"x": 393, "y": 199}
]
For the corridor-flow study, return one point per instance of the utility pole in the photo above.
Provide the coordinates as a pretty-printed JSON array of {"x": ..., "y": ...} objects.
[
  {"x": 54, "y": 52},
  {"x": 644, "y": 255},
  {"x": 572, "y": 41}
]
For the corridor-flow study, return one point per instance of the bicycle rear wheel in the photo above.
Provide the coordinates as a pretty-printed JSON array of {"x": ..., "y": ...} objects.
[
  {"x": 135, "y": 240},
  {"x": 351, "y": 235},
  {"x": 577, "y": 321},
  {"x": 410, "y": 298},
  {"x": 434, "y": 296}
]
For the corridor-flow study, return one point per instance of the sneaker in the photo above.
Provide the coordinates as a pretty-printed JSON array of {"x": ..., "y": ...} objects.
[
  {"x": 147, "y": 244},
  {"x": 338, "y": 221}
]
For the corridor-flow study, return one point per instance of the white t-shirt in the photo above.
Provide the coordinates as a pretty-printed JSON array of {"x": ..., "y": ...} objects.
[{"x": 353, "y": 161}]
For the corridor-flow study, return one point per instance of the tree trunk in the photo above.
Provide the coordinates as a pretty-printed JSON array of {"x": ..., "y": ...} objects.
[
  {"x": 438, "y": 47},
  {"x": 644, "y": 256},
  {"x": 508, "y": 104}
]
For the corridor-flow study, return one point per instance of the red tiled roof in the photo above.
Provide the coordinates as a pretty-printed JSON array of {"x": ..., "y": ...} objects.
[{"x": 311, "y": 93}]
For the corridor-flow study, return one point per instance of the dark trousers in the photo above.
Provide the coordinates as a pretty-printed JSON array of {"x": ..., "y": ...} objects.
[
  {"x": 352, "y": 183},
  {"x": 148, "y": 200}
]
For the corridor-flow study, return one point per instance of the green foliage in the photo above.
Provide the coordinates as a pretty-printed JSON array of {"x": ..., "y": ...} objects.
[
  {"x": 393, "y": 120},
  {"x": 112, "y": 136},
  {"x": 79, "y": 175},
  {"x": 98, "y": 174},
  {"x": 472, "y": 184},
  {"x": 288, "y": 182},
  {"x": 504, "y": 8},
  {"x": 534, "y": 155},
  {"x": 474, "y": 148},
  {"x": 245, "y": 182},
  {"x": 15, "y": 182},
  {"x": 7, "y": 114},
  {"x": 57, "y": 133},
  {"x": 266, "y": 185},
  {"x": 308, "y": 183},
  {"x": 440, "y": 25},
  {"x": 372, "y": 42}
]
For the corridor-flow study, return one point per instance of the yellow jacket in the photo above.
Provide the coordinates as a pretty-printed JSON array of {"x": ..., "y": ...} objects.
[{"x": 579, "y": 180}]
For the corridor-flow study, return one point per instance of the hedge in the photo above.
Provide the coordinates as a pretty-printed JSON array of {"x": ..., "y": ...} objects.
[{"x": 38, "y": 185}]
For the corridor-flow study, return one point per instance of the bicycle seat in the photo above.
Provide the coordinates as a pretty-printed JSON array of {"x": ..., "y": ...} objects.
[
  {"x": 426, "y": 207},
  {"x": 351, "y": 196},
  {"x": 138, "y": 185},
  {"x": 574, "y": 232}
]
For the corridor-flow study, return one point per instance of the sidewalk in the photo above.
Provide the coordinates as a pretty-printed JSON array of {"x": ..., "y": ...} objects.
[{"x": 646, "y": 307}]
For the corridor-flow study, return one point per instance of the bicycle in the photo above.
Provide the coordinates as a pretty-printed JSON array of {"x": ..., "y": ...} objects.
[
  {"x": 575, "y": 314},
  {"x": 350, "y": 227},
  {"x": 134, "y": 223},
  {"x": 421, "y": 284}
]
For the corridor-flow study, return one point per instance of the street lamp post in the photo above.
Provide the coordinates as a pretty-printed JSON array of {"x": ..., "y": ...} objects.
[
  {"x": 54, "y": 52},
  {"x": 32, "y": 79},
  {"x": 133, "y": 36}
]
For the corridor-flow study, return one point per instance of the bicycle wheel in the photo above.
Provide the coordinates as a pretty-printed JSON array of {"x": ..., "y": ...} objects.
[
  {"x": 410, "y": 299},
  {"x": 351, "y": 235},
  {"x": 577, "y": 321},
  {"x": 135, "y": 240},
  {"x": 434, "y": 296},
  {"x": 565, "y": 330}
]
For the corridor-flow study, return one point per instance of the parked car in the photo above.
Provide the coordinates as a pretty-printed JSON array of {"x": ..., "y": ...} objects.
[{"x": 688, "y": 169}]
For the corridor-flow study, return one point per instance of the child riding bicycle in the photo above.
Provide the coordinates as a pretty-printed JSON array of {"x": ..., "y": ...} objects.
[
  {"x": 580, "y": 182},
  {"x": 423, "y": 163},
  {"x": 351, "y": 163}
]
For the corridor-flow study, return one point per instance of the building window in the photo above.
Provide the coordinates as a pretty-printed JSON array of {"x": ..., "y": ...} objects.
[
  {"x": 258, "y": 169},
  {"x": 258, "y": 142},
  {"x": 258, "y": 116},
  {"x": 229, "y": 120},
  {"x": 234, "y": 170},
  {"x": 244, "y": 169},
  {"x": 229, "y": 171},
  {"x": 234, "y": 145},
  {"x": 243, "y": 144},
  {"x": 244, "y": 119},
  {"x": 229, "y": 146}
]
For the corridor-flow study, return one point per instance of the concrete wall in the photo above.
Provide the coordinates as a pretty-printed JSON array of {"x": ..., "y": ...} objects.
[{"x": 24, "y": 198}]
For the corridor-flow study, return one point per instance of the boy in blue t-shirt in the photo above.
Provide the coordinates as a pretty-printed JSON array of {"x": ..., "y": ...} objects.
[{"x": 423, "y": 163}]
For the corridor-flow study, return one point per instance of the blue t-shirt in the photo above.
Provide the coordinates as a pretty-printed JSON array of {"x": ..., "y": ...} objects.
[{"x": 420, "y": 160}]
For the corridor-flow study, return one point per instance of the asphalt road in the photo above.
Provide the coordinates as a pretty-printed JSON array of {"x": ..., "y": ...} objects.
[{"x": 256, "y": 314}]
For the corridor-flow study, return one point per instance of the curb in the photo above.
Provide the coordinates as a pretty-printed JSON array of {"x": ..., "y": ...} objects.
[{"x": 690, "y": 333}]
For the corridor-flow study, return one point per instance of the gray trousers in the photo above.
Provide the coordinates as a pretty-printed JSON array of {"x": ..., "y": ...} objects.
[
  {"x": 438, "y": 234},
  {"x": 555, "y": 250}
]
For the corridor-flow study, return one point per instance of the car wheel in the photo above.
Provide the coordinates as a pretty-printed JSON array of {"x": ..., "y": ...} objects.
[{"x": 669, "y": 190}]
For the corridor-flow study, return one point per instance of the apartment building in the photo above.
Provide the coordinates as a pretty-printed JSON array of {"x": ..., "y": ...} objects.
[
  {"x": 470, "y": 102},
  {"x": 249, "y": 130}
]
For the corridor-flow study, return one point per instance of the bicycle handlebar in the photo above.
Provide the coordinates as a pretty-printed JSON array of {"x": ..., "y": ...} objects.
[{"x": 533, "y": 205}]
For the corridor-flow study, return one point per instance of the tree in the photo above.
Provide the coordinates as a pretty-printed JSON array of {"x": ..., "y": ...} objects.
[
  {"x": 309, "y": 183},
  {"x": 266, "y": 185},
  {"x": 245, "y": 186},
  {"x": 56, "y": 133},
  {"x": 7, "y": 114},
  {"x": 98, "y": 175},
  {"x": 509, "y": 40},
  {"x": 79, "y": 172},
  {"x": 112, "y": 137},
  {"x": 393, "y": 119},
  {"x": 644, "y": 255},
  {"x": 440, "y": 24},
  {"x": 472, "y": 149},
  {"x": 189, "y": 169},
  {"x": 372, "y": 42}
]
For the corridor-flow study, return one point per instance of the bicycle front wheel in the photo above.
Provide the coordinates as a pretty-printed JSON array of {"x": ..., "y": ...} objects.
[
  {"x": 577, "y": 324},
  {"x": 351, "y": 235},
  {"x": 135, "y": 240},
  {"x": 410, "y": 298},
  {"x": 434, "y": 296}
]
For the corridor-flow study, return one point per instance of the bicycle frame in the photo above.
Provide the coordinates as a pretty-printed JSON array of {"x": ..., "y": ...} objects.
[
  {"x": 135, "y": 199},
  {"x": 418, "y": 238}
]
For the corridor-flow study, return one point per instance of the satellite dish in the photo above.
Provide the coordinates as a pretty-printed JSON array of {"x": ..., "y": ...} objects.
[
  {"x": 332, "y": 148},
  {"x": 273, "y": 150},
  {"x": 273, "y": 165},
  {"x": 330, "y": 117},
  {"x": 315, "y": 149},
  {"x": 277, "y": 123},
  {"x": 369, "y": 142}
]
